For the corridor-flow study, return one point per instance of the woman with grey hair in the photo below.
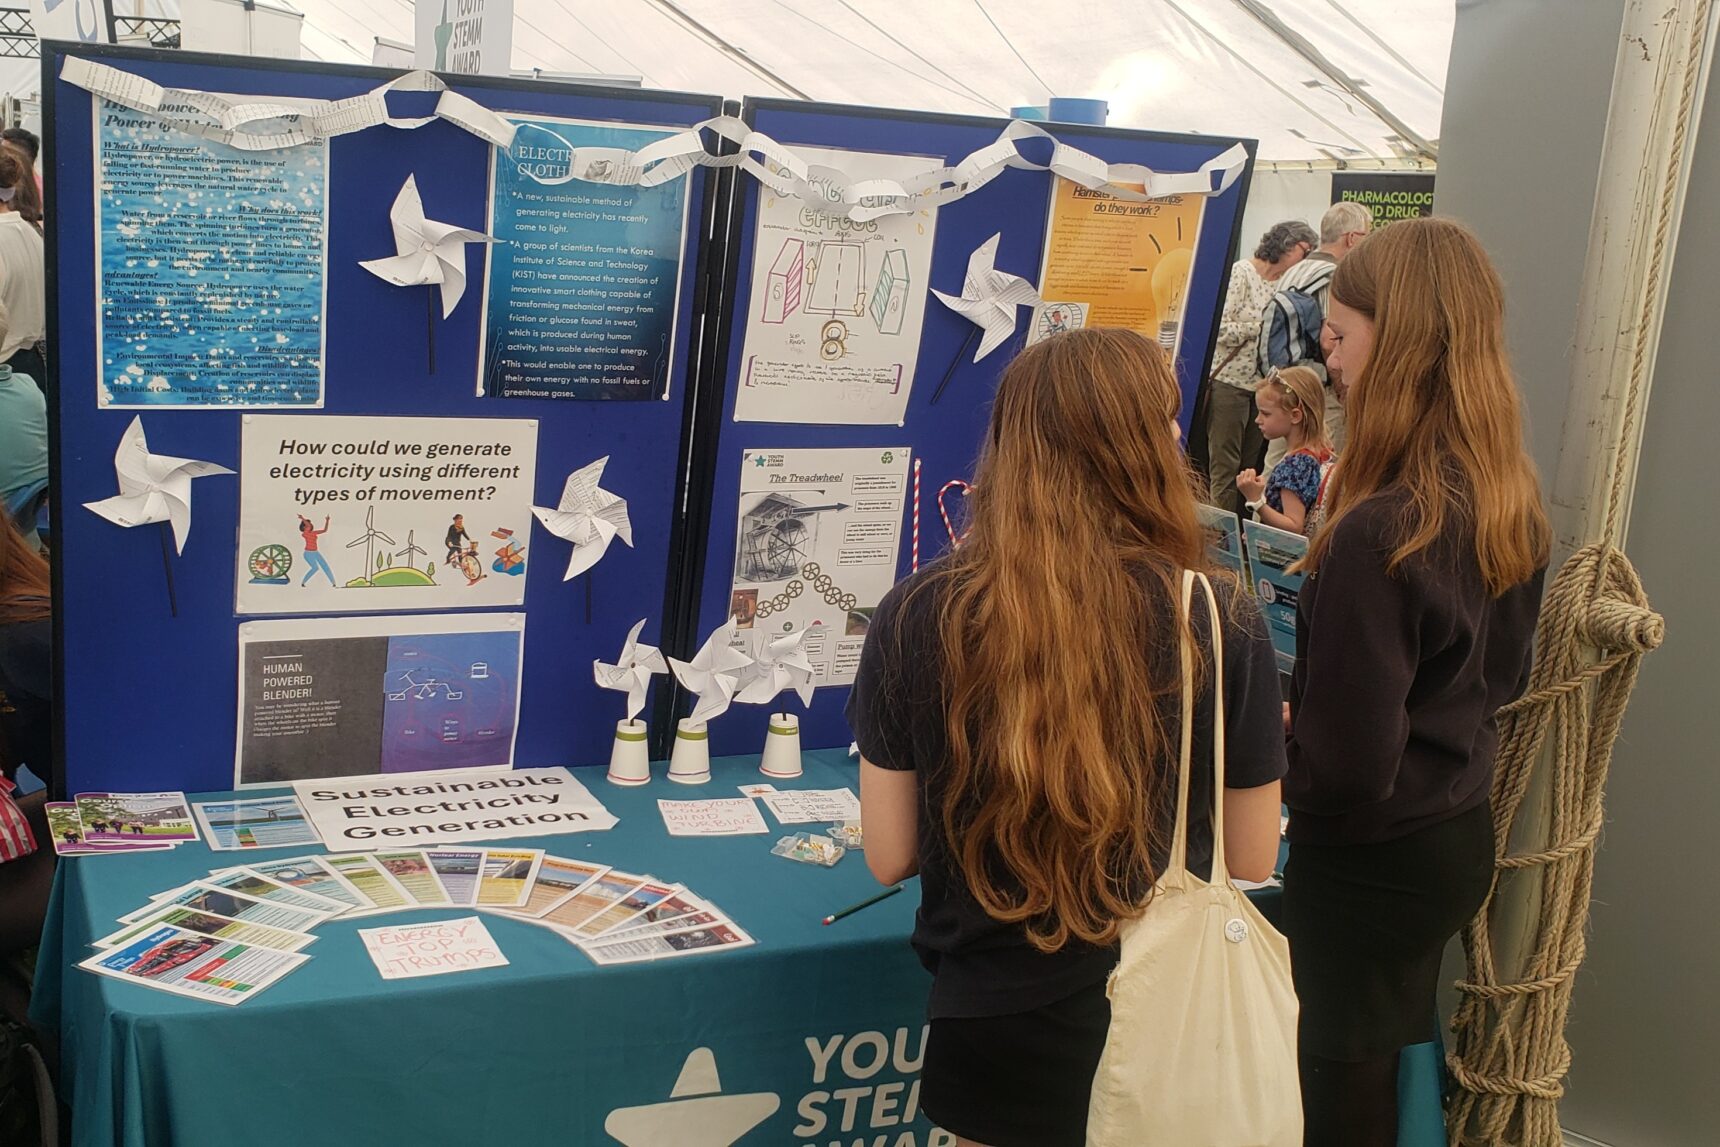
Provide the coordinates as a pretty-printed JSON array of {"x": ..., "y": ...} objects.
[{"x": 1232, "y": 440}]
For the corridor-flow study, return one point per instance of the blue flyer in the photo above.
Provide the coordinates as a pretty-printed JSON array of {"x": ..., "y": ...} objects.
[
  {"x": 582, "y": 292},
  {"x": 1271, "y": 553},
  {"x": 209, "y": 268}
]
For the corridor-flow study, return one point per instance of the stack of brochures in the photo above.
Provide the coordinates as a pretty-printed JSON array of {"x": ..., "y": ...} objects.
[
  {"x": 231, "y": 934},
  {"x": 91, "y": 824}
]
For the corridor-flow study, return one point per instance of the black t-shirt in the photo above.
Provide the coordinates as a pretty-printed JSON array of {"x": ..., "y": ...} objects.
[
  {"x": 981, "y": 966},
  {"x": 27, "y": 697}
]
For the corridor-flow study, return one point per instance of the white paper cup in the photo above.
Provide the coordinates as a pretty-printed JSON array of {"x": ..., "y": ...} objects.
[
  {"x": 690, "y": 762},
  {"x": 630, "y": 757},
  {"x": 782, "y": 747}
]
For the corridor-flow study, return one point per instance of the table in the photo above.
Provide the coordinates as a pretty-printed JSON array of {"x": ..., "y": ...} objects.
[{"x": 816, "y": 1032}]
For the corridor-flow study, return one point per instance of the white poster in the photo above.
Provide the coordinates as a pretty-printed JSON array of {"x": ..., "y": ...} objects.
[
  {"x": 816, "y": 547},
  {"x": 366, "y": 814},
  {"x": 470, "y": 37},
  {"x": 833, "y": 327},
  {"x": 346, "y": 514}
]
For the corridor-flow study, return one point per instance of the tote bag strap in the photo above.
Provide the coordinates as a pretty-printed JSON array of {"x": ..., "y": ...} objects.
[{"x": 1185, "y": 616}]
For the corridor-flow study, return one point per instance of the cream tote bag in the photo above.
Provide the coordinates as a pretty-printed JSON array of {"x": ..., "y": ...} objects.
[{"x": 1202, "y": 1045}]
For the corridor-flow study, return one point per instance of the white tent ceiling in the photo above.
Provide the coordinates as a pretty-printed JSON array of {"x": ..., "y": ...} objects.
[{"x": 1311, "y": 79}]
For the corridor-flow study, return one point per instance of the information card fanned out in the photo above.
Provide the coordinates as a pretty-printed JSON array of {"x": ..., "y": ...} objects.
[{"x": 466, "y": 804}]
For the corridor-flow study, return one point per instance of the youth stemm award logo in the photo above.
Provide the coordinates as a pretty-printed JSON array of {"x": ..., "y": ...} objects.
[{"x": 697, "y": 1114}]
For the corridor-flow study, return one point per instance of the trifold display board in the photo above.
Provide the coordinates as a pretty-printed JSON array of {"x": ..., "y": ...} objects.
[
  {"x": 832, "y": 352},
  {"x": 327, "y": 576},
  {"x": 352, "y": 374}
]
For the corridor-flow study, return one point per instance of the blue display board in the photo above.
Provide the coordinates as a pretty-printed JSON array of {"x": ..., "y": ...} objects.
[
  {"x": 945, "y": 436},
  {"x": 148, "y": 700}
]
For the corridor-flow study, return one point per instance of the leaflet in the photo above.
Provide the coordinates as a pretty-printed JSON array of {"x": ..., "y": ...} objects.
[
  {"x": 679, "y": 912},
  {"x": 458, "y": 869},
  {"x": 626, "y": 909},
  {"x": 716, "y": 938},
  {"x": 67, "y": 829},
  {"x": 557, "y": 879},
  {"x": 412, "y": 871},
  {"x": 153, "y": 817},
  {"x": 374, "y": 882},
  {"x": 202, "y": 897},
  {"x": 507, "y": 876},
  {"x": 209, "y": 924},
  {"x": 187, "y": 964},
  {"x": 595, "y": 897},
  {"x": 312, "y": 875},
  {"x": 259, "y": 887},
  {"x": 267, "y": 822}
]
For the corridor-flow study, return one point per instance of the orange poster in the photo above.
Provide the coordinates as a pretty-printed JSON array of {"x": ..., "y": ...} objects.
[{"x": 1115, "y": 263}]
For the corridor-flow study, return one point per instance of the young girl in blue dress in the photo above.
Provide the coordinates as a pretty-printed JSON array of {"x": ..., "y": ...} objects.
[{"x": 1292, "y": 406}]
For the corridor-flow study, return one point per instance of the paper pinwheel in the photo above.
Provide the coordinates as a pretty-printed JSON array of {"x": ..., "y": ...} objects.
[
  {"x": 428, "y": 253},
  {"x": 989, "y": 297},
  {"x": 632, "y": 672},
  {"x": 152, "y": 487},
  {"x": 713, "y": 673},
  {"x": 589, "y": 516},
  {"x": 778, "y": 663}
]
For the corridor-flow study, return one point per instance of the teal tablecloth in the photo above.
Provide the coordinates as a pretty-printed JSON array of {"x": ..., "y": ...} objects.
[{"x": 827, "y": 1022}]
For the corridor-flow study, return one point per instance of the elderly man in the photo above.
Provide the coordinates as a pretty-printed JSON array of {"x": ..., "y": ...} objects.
[{"x": 1290, "y": 328}]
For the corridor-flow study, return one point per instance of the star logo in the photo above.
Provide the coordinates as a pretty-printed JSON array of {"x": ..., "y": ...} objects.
[
  {"x": 758, "y": 460},
  {"x": 697, "y": 1113}
]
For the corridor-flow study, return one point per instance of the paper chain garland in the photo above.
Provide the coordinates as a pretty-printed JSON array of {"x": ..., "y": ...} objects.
[{"x": 263, "y": 125}]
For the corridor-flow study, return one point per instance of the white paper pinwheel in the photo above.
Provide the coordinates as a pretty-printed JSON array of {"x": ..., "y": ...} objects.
[
  {"x": 713, "y": 673},
  {"x": 778, "y": 663},
  {"x": 428, "y": 253},
  {"x": 589, "y": 516},
  {"x": 989, "y": 297},
  {"x": 632, "y": 672},
  {"x": 152, "y": 487}
]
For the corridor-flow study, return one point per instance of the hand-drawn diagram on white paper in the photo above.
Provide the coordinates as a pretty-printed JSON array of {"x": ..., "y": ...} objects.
[{"x": 833, "y": 327}]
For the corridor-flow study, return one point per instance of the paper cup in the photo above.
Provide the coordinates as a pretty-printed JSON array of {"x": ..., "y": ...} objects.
[
  {"x": 690, "y": 762},
  {"x": 782, "y": 747},
  {"x": 630, "y": 758}
]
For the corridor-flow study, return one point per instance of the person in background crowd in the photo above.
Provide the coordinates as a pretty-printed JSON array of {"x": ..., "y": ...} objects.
[
  {"x": 1232, "y": 441},
  {"x": 1413, "y": 628},
  {"x": 28, "y": 201},
  {"x": 1031, "y": 783},
  {"x": 26, "y": 724},
  {"x": 29, "y": 145},
  {"x": 23, "y": 436},
  {"x": 1342, "y": 227},
  {"x": 22, "y": 286},
  {"x": 1292, "y": 409}
]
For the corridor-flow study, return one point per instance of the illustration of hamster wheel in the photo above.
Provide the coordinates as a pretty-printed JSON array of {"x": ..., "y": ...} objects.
[{"x": 270, "y": 561}]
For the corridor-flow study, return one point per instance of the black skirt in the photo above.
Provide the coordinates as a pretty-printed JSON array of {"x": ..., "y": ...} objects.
[
  {"x": 1020, "y": 1080},
  {"x": 1368, "y": 925}
]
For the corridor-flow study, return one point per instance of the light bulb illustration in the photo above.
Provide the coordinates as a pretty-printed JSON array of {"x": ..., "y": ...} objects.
[{"x": 1170, "y": 286}]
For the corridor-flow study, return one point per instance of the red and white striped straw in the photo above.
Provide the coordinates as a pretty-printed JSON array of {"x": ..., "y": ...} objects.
[{"x": 916, "y": 543}]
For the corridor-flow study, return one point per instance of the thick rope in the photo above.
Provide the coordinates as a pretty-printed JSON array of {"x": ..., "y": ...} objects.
[{"x": 1509, "y": 1055}]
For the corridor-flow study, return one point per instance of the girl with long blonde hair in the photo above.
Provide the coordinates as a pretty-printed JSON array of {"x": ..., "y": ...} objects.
[
  {"x": 1414, "y": 627},
  {"x": 1292, "y": 409},
  {"x": 1016, "y": 711}
]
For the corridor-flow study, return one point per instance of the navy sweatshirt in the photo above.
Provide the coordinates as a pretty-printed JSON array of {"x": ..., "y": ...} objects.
[{"x": 1397, "y": 680}]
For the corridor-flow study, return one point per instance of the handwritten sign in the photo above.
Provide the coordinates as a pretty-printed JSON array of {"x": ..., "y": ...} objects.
[
  {"x": 805, "y": 806},
  {"x": 407, "y": 951},
  {"x": 728, "y": 816}
]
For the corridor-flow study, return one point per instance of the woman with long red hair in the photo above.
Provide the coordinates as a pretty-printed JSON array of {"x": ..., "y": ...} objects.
[
  {"x": 1017, "y": 713},
  {"x": 1414, "y": 627},
  {"x": 26, "y": 738}
]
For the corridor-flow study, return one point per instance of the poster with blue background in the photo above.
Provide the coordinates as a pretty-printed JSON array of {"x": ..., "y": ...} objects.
[
  {"x": 210, "y": 268},
  {"x": 1271, "y": 553},
  {"x": 581, "y": 293}
]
